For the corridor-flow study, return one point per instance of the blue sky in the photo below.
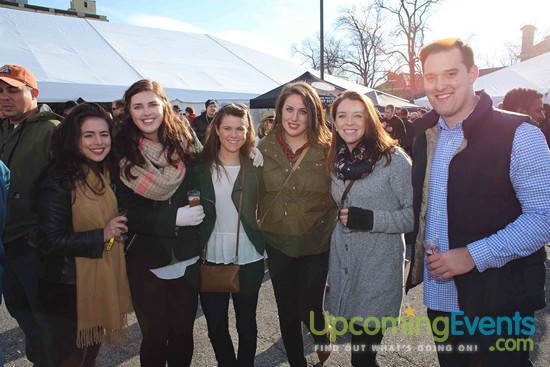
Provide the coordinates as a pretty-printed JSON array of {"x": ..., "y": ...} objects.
[{"x": 273, "y": 26}]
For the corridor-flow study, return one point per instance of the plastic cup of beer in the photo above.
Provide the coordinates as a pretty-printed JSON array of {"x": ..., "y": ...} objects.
[
  {"x": 194, "y": 197},
  {"x": 431, "y": 246}
]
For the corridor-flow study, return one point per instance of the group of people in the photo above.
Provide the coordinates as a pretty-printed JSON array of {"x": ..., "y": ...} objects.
[{"x": 100, "y": 225}]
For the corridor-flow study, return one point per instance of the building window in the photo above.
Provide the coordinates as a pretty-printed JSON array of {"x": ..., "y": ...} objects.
[{"x": 85, "y": 4}]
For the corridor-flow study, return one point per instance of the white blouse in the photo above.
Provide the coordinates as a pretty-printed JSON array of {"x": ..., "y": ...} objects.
[{"x": 222, "y": 242}]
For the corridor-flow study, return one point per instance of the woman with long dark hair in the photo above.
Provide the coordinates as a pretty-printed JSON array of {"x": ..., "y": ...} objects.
[
  {"x": 155, "y": 149},
  {"x": 228, "y": 180},
  {"x": 371, "y": 179},
  {"x": 298, "y": 216},
  {"x": 83, "y": 288}
]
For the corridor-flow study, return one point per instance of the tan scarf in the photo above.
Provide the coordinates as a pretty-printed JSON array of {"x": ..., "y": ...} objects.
[
  {"x": 102, "y": 291},
  {"x": 159, "y": 179}
]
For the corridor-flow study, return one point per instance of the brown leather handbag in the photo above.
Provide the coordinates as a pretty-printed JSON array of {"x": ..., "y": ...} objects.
[{"x": 223, "y": 277}]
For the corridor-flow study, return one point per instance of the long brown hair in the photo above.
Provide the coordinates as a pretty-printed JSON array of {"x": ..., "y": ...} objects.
[
  {"x": 376, "y": 140},
  {"x": 173, "y": 134},
  {"x": 317, "y": 130},
  {"x": 210, "y": 154}
]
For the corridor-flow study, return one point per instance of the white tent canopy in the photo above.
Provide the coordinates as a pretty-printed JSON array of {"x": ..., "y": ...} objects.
[
  {"x": 97, "y": 61},
  {"x": 533, "y": 74}
]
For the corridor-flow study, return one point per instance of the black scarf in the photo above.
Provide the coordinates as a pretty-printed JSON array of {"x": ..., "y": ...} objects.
[{"x": 352, "y": 165}]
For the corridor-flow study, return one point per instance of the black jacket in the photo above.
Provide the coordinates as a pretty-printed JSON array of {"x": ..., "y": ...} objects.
[
  {"x": 200, "y": 125},
  {"x": 398, "y": 130},
  {"x": 152, "y": 229},
  {"x": 56, "y": 238}
]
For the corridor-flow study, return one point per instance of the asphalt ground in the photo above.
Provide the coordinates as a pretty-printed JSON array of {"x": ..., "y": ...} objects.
[{"x": 398, "y": 350}]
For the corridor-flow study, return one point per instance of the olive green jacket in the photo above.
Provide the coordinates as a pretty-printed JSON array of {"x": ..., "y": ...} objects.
[
  {"x": 301, "y": 219},
  {"x": 25, "y": 153}
]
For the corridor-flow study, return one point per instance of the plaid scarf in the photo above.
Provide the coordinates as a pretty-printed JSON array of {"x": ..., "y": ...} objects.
[
  {"x": 352, "y": 165},
  {"x": 157, "y": 179}
]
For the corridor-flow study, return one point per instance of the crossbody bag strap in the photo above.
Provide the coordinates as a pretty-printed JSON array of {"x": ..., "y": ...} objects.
[
  {"x": 346, "y": 191},
  {"x": 239, "y": 215},
  {"x": 294, "y": 169}
]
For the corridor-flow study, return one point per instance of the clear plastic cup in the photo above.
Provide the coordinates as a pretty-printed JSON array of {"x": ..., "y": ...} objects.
[
  {"x": 431, "y": 246},
  {"x": 194, "y": 197}
]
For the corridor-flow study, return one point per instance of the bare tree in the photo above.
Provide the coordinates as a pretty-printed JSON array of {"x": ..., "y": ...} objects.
[
  {"x": 309, "y": 52},
  {"x": 511, "y": 54},
  {"x": 411, "y": 17},
  {"x": 364, "y": 53}
]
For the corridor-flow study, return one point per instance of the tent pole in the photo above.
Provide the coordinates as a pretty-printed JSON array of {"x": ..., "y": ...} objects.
[{"x": 322, "y": 46}]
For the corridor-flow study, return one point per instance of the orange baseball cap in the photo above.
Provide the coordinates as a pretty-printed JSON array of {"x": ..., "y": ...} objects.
[{"x": 17, "y": 76}]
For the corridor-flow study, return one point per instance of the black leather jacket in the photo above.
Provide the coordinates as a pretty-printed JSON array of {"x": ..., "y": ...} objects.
[{"x": 56, "y": 239}]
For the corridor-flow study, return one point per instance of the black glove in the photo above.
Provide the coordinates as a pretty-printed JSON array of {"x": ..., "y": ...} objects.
[{"x": 360, "y": 219}]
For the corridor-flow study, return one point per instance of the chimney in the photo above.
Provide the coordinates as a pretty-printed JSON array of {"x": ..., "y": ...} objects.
[{"x": 527, "y": 41}]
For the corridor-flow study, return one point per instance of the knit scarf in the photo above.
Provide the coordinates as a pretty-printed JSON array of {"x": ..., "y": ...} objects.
[
  {"x": 102, "y": 291},
  {"x": 157, "y": 179},
  {"x": 352, "y": 165}
]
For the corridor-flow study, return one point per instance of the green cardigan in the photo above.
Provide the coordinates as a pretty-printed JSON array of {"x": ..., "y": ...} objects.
[{"x": 201, "y": 179}]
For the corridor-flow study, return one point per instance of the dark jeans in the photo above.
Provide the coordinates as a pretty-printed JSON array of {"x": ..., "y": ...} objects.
[
  {"x": 483, "y": 356},
  {"x": 21, "y": 276},
  {"x": 299, "y": 287},
  {"x": 363, "y": 348},
  {"x": 215, "y": 307},
  {"x": 166, "y": 311},
  {"x": 59, "y": 303}
]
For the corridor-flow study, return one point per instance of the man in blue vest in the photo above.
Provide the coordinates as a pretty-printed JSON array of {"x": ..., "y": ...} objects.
[{"x": 481, "y": 192}]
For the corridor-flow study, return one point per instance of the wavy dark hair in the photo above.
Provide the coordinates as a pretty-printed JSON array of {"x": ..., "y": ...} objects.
[
  {"x": 210, "y": 154},
  {"x": 66, "y": 157},
  {"x": 376, "y": 140},
  {"x": 317, "y": 131},
  {"x": 173, "y": 133}
]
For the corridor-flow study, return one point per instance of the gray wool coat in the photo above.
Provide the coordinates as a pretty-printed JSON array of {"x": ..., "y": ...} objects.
[{"x": 366, "y": 267}]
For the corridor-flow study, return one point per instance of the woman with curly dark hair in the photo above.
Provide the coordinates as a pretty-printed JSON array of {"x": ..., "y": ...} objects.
[{"x": 83, "y": 288}]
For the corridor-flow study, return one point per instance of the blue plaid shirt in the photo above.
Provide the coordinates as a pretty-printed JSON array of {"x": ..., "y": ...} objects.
[{"x": 530, "y": 177}]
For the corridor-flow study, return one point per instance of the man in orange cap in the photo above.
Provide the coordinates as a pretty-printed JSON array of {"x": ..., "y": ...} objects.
[{"x": 25, "y": 134}]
